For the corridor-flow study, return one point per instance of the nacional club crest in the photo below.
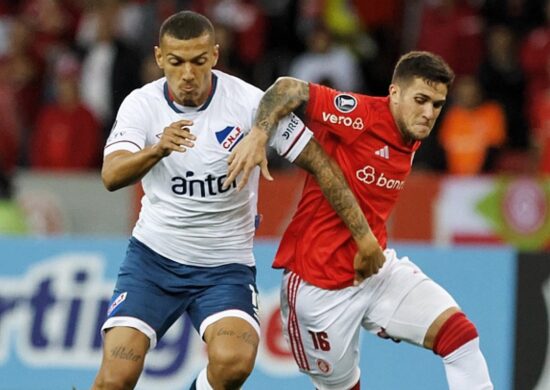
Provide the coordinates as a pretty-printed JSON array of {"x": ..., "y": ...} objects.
[{"x": 229, "y": 137}]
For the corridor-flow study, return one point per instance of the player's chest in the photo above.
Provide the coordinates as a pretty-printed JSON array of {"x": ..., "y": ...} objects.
[
  {"x": 375, "y": 165},
  {"x": 216, "y": 137}
]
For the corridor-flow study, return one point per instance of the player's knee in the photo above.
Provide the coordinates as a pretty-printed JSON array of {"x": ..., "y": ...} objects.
[
  {"x": 231, "y": 367},
  {"x": 454, "y": 333},
  {"x": 114, "y": 380}
]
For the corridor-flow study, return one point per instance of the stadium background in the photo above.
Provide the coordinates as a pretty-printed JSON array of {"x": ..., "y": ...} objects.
[{"x": 477, "y": 222}]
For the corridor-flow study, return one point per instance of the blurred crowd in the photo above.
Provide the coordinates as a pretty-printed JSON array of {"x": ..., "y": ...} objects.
[{"x": 66, "y": 65}]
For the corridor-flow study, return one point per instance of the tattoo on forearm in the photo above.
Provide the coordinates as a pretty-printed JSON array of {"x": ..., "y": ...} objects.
[
  {"x": 120, "y": 352},
  {"x": 280, "y": 100},
  {"x": 247, "y": 337},
  {"x": 334, "y": 187}
]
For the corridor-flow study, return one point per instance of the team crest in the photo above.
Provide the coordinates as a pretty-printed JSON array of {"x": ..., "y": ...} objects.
[
  {"x": 116, "y": 302},
  {"x": 323, "y": 365},
  {"x": 229, "y": 137},
  {"x": 345, "y": 103}
]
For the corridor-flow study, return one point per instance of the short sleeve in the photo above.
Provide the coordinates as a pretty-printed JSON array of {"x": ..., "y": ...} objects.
[
  {"x": 291, "y": 137},
  {"x": 129, "y": 131}
]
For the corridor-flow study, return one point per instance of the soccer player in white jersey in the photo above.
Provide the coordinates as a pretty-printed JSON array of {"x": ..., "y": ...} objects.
[{"x": 191, "y": 249}]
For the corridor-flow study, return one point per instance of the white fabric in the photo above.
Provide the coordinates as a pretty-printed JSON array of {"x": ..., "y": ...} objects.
[
  {"x": 202, "y": 381},
  {"x": 131, "y": 322},
  {"x": 418, "y": 311},
  {"x": 466, "y": 368},
  {"x": 95, "y": 82},
  {"x": 185, "y": 214},
  {"x": 341, "y": 314},
  {"x": 228, "y": 313}
]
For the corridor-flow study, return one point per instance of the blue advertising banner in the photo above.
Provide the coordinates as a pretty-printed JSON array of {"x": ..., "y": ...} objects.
[{"x": 54, "y": 294}]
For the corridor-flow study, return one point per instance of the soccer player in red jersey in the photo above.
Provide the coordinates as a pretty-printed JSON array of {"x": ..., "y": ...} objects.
[{"x": 325, "y": 297}]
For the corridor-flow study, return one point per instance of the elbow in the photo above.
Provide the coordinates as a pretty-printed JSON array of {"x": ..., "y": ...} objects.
[
  {"x": 284, "y": 83},
  {"x": 109, "y": 182}
]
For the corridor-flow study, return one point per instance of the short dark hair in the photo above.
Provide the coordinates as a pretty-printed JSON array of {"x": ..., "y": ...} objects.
[
  {"x": 428, "y": 66},
  {"x": 186, "y": 25}
]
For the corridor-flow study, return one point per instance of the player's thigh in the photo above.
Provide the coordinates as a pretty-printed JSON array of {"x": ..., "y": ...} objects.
[
  {"x": 234, "y": 295},
  {"x": 420, "y": 311},
  {"x": 322, "y": 329},
  {"x": 124, "y": 351},
  {"x": 141, "y": 299}
]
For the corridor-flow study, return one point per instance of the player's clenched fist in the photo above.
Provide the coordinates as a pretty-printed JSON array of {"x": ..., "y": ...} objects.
[
  {"x": 176, "y": 137},
  {"x": 368, "y": 260}
]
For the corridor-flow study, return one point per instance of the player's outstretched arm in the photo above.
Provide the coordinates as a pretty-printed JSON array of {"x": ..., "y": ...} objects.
[
  {"x": 369, "y": 258},
  {"x": 283, "y": 97},
  {"x": 122, "y": 168}
]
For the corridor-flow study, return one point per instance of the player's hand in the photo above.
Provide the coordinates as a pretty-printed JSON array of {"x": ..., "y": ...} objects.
[
  {"x": 176, "y": 137},
  {"x": 368, "y": 260},
  {"x": 247, "y": 154}
]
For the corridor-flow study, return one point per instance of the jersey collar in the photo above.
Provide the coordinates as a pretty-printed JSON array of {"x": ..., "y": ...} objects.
[{"x": 179, "y": 108}]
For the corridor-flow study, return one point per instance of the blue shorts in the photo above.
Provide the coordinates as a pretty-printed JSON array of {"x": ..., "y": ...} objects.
[{"x": 152, "y": 292}]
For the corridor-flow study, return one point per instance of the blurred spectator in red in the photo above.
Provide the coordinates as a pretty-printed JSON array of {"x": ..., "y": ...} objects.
[
  {"x": 472, "y": 129},
  {"x": 24, "y": 71},
  {"x": 534, "y": 55},
  {"x": 453, "y": 29},
  {"x": 10, "y": 125},
  {"x": 503, "y": 80},
  {"x": 110, "y": 69},
  {"x": 248, "y": 23},
  {"x": 53, "y": 23},
  {"x": 541, "y": 127},
  {"x": 66, "y": 136},
  {"x": 326, "y": 62}
]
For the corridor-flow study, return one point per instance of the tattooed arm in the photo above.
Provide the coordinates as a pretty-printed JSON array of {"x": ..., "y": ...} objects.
[
  {"x": 369, "y": 258},
  {"x": 282, "y": 98}
]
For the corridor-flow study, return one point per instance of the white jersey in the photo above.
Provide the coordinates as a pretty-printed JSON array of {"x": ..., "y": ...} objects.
[{"x": 185, "y": 214}]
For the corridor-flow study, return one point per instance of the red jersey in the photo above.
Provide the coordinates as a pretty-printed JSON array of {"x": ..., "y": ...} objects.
[{"x": 360, "y": 134}]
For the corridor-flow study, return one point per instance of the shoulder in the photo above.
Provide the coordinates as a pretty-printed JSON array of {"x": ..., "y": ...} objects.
[{"x": 237, "y": 90}]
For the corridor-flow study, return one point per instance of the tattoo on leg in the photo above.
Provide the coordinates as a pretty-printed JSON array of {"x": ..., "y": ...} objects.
[
  {"x": 120, "y": 352},
  {"x": 247, "y": 337}
]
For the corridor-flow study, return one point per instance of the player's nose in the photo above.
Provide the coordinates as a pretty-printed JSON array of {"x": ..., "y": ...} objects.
[{"x": 187, "y": 72}]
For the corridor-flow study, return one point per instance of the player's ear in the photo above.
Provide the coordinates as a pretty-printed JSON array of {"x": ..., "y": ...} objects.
[
  {"x": 158, "y": 57},
  {"x": 216, "y": 54},
  {"x": 394, "y": 92}
]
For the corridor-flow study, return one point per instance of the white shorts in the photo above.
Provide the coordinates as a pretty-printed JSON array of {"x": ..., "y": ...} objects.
[{"x": 322, "y": 326}]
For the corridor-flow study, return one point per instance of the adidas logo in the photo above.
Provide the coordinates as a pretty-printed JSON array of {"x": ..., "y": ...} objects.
[{"x": 384, "y": 152}]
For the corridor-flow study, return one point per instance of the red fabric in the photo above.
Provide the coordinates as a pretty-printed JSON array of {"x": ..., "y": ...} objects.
[
  {"x": 446, "y": 28},
  {"x": 454, "y": 333},
  {"x": 66, "y": 139},
  {"x": 535, "y": 58},
  {"x": 10, "y": 136},
  {"x": 541, "y": 124},
  {"x": 317, "y": 245},
  {"x": 357, "y": 386}
]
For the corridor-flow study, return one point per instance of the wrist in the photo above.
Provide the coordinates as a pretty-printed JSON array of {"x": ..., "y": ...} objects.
[{"x": 259, "y": 135}]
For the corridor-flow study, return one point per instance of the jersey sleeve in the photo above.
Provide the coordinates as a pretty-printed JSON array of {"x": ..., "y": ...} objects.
[
  {"x": 129, "y": 130},
  {"x": 291, "y": 137},
  {"x": 342, "y": 114}
]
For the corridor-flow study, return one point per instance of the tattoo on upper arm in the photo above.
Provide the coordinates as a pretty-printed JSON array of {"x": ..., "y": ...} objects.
[
  {"x": 279, "y": 100},
  {"x": 334, "y": 186},
  {"x": 121, "y": 352}
]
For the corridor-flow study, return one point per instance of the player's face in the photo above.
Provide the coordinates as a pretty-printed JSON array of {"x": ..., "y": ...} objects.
[
  {"x": 416, "y": 105},
  {"x": 187, "y": 65}
]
